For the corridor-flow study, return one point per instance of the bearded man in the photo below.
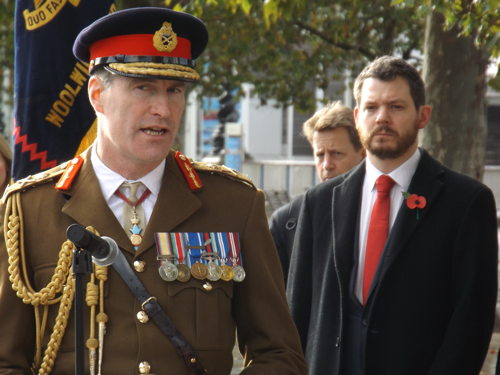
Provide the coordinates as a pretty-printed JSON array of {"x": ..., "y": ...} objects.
[{"x": 394, "y": 265}]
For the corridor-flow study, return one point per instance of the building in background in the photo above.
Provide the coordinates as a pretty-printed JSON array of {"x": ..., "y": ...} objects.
[{"x": 277, "y": 157}]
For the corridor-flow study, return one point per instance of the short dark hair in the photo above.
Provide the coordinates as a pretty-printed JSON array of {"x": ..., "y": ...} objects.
[
  {"x": 387, "y": 68},
  {"x": 332, "y": 116}
]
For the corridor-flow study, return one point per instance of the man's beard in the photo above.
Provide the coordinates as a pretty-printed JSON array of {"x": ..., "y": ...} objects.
[{"x": 382, "y": 150}]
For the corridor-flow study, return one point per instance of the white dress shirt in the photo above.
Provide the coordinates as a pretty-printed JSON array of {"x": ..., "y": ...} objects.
[
  {"x": 402, "y": 177},
  {"x": 110, "y": 181}
]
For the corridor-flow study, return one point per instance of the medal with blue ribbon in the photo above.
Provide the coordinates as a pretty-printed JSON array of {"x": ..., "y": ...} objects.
[{"x": 206, "y": 255}]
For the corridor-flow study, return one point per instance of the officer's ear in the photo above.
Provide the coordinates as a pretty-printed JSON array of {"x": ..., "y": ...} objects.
[{"x": 96, "y": 87}]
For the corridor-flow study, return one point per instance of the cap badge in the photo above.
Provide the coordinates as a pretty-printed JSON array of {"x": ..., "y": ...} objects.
[{"x": 165, "y": 40}]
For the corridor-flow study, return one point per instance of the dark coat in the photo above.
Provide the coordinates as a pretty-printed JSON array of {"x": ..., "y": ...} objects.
[
  {"x": 283, "y": 223},
  {"x": 432, "y": 309},
  {"x": 207, "y": 317}
]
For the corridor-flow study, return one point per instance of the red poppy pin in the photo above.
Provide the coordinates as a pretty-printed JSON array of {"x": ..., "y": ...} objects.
[{"x": 414, "y": 201}]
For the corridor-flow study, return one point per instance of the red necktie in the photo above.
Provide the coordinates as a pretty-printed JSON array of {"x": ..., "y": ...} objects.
[{"x": 377, "y": 231}]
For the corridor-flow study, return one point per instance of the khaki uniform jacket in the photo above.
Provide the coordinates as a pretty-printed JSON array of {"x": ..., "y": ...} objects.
[{"x": 256, "y": 308}]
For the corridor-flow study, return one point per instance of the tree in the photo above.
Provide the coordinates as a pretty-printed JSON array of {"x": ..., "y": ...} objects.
[
  {"x": 460, "y": 39},
  {"x": 6, "y": 55},
  {"x": 454, "y": 71},
  {"x": 289, "y": 47}
]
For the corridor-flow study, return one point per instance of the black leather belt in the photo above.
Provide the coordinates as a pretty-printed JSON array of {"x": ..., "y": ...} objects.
[{"x": 151, "y": 306}]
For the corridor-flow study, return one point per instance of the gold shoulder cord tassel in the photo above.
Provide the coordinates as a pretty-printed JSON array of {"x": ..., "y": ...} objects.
[
  {"x": 102, "y": 318},
  {"x": 59, "y": 328},
  {"x": 62, "y": 284},
  {"x": 91, "y": 298},
  {"x": 95, "y": 295}
]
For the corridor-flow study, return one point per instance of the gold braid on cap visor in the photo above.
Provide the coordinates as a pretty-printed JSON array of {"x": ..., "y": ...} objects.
[{"x": 156, "y": 69}]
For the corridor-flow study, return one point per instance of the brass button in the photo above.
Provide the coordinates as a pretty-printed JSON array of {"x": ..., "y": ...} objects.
[
  {"x": 207, "y": 286},
  {"x": 139, "y": 265},
  {"x": 142, "y": 317},
  {"x": 144, "y": 367}
]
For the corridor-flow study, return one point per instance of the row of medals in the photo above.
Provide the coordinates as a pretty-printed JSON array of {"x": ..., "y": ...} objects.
[{"x": 211, "y": 271}]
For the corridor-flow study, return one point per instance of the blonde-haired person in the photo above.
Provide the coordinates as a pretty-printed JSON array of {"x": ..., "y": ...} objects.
[{"x": 332, "y": 133}]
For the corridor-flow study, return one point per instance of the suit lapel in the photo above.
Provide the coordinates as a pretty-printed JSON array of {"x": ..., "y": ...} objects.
[
  {"x": 425, "y": 182},
  {"x": 345, "y": 210}
]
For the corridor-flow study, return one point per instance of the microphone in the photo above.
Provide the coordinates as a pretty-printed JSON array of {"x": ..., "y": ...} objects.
[{"x": 103, "y": 249}]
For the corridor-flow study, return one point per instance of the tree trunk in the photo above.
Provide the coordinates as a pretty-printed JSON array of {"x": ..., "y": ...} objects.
[{"x": 455, "y": 77}]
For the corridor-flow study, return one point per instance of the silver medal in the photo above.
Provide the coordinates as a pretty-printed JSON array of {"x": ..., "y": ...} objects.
[
  {"x": 239, "y": 273},
  {"x": 214, "y": 271},
  {"x": 168, "y": 271}
]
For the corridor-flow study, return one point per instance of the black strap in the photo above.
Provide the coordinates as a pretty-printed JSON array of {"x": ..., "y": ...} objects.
[
  {"x": 124, "y": 59},
  {"x": 151, "y": 306}
]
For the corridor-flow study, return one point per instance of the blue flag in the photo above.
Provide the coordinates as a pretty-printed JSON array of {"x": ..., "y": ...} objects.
[{"x": 52, "y": 112}]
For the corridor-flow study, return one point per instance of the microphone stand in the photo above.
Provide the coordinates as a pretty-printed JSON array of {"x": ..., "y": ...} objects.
[
  {"x": 82, "y": 266},
  {"x": 89, "y": 248}
]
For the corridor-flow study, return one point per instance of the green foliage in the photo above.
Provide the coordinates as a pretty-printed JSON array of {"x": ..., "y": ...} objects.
[
  {"x": 7, "y": 45},
  {"x": 6, "y": 34},
  {"x": 286, "y": 48},
  {"x": 479, "y": 19}
]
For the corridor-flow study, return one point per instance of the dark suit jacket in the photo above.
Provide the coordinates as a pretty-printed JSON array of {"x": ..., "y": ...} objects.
[
  {"x": 432, "y": 309},
  {"x": 207, "y": 317},
  {"x": 283, "y": 223}
]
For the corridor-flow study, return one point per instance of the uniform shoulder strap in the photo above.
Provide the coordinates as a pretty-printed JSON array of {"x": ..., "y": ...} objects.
[
  {"x": 224, "y": 171},
  {"x": 34, "y": 180},
  {"x": 190, "y": 169}
]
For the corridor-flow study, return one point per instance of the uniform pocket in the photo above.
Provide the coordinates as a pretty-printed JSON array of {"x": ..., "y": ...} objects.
[{"x": 202, "y": 312}]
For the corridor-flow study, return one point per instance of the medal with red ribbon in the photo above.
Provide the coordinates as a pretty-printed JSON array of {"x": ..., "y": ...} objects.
[
  {"x": 206, "y": 255},
  {"x": 135, "y": 229}
]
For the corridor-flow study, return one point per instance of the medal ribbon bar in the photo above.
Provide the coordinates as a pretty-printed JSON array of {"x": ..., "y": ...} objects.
[{"x": 198, "y": 250}]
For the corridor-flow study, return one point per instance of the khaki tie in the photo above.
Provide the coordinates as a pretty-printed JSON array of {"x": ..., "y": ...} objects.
[{"x": 134, "y": 220}]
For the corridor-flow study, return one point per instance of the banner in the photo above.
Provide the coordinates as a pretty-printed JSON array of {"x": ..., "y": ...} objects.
[{"x": 52, "y": 113}]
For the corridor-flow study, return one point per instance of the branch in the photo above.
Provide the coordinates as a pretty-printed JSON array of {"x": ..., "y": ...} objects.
[
  {"x": 344, "y": 46},
  {"x": 406, "y": 54}
]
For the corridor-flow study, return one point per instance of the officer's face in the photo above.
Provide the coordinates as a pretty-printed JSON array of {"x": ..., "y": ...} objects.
[{"x": 138, "y": 121}]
